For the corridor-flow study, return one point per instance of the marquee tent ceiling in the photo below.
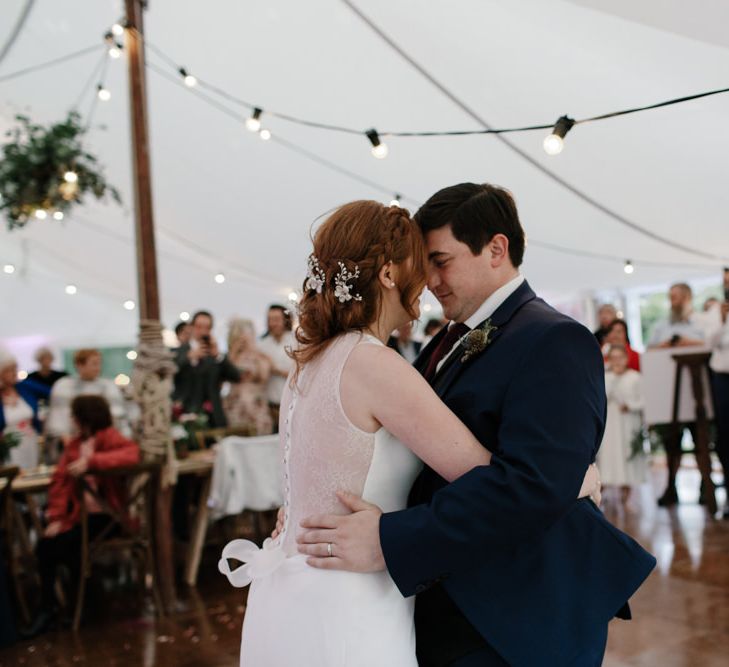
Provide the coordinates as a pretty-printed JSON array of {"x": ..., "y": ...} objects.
[{"x": 225, "y": 201}]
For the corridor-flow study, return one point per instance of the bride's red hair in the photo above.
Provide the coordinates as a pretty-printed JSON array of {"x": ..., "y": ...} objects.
[{"x": 368, "y": 235}]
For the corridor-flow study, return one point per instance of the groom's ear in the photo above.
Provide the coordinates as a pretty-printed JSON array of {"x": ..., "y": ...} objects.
[{"x": 498, "y": 249}]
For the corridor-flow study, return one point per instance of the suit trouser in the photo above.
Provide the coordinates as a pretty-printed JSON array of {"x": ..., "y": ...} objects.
[
  {"x": 487, "y": 657},
  {"x": 720, "y": 387}
]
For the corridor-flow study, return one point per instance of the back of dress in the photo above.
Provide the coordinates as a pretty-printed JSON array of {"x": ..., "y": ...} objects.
[{"x": 323, "y": 452}]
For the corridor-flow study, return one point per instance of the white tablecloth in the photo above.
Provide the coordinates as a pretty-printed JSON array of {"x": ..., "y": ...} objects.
[{"x": 247, "y": 474}]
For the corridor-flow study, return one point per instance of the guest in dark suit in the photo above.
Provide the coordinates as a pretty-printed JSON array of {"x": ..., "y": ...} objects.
[
  {"x": 201, "y": 371},
  {"x": 508, "y": 568},
  {"x": 404, "y": 344}
]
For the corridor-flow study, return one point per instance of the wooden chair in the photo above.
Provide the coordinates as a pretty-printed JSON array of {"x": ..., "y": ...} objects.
[
  {"x": 123, "y": 534},
  {"x": 7, "y": 527}
]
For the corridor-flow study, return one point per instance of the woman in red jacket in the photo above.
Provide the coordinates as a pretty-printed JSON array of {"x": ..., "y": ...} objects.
[
  {"x": 97, "y": 446},
  {"x": 617, "y": 335}
]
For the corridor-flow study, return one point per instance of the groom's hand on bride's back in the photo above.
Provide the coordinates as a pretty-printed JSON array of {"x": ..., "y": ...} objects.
[{"x": 354, "y": 538}]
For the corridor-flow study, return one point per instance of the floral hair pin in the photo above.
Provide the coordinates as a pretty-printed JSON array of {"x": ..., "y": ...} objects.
[
  {"x": 342, "y": 288},
  {"x": 315, "y": 277}
]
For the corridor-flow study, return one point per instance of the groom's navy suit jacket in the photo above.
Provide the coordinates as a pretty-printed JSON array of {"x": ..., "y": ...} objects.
[{"x": 537, "y": 573}]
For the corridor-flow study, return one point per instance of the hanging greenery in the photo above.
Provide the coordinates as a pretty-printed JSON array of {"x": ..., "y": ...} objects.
[{"x": 44, "y": 171}]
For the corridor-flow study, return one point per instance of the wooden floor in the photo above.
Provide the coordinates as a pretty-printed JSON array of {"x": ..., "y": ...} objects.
[{"x": 681, "y": 614}]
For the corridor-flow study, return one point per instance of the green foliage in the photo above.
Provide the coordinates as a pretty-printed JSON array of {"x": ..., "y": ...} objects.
[
  {"x": 34, "y": 162},
  {"x": 8, "y": 440}
]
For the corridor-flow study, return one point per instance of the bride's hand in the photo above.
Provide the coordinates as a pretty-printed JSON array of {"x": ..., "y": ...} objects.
[{"x": 591, "y": 485}]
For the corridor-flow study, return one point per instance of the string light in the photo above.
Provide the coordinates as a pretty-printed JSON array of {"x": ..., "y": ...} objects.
[
  {"x": 22, "y": 375},
  {"x": 130, "y": 305},
  {"x": 103, "y": 93},
  {"x": 254, "y": 122},
  {"x": 70, "y": 177},
  {"x": 9, "y": 269},
  {"x": 122, "y": 380},
  {"x": 219, "y": 278},
  {"x": 189, "y": 79},
  {"x": 396, "y": 200},
  {"x": 265, "y": 135},
  {"x": 554, "y": 143},
  {"x": 379, "y": 150},
  {"x": 628, "y": 268},
  {"x": 41, "y": 214},
  {"x": 427, "y": 308},
  {"x": 71, "y": 290},
  {"x": 131, "y": 355},
  {"x": 58, "y": 215},
  {"x": 293, "y": 297},
  {"x": 117, "y": 29},
  {"x": 185, "y": 316},
  {"x": 115, "y": 51}
]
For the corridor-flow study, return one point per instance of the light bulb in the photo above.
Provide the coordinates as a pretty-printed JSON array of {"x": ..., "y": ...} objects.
[
  {"x": 628, "y": 268},
  {"x": 254, "y": 122},
  {"x": 9, "y": 268},
  {"x": 70, "y": 177},
  {"x": 130, "y": 305},
  {"x": 22, "y": 375},
  {"x": 132, "y": 355},
  {"x": 395, "y": 201},
  {"x": 117, "y": 29},
  {"x": 293, "y": 296},
  {"x": 427, "y": 307},
  {"x": 265, "y": 135},
  {"x": 103, "y": 93},
  {"x": 58, "y": 215},
  {"x": 380, "y": 151},
  {"x": 115, "y": 52},
  {"x": 41, "y": 214},
  {"x": 219, "y": 278},
  {"x": 185, "y": 316},
  {"x": 71, "y": 290},
  {"x": 553, "y": 144},
  {"x": 122, "y": 380},
  {"x": 190, "y": 81}
]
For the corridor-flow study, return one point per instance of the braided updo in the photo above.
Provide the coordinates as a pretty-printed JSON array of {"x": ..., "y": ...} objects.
[{"x": 368, "y": 235}]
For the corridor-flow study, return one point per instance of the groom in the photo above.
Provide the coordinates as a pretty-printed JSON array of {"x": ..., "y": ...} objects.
[{"x": 508, "y": 568}]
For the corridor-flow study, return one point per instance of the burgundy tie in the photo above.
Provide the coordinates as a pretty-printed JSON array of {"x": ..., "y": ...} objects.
[{"x": 446, "y": 344}]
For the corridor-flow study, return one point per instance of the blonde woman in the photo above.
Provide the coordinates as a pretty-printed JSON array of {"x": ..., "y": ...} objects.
[{"x": 247, "y": 405}]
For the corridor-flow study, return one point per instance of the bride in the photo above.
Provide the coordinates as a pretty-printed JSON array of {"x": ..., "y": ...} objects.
[{"x": 355, "y": 417}]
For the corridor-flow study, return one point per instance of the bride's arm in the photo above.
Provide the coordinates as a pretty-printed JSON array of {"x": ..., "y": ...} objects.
[{"x": 378, "y": 387}]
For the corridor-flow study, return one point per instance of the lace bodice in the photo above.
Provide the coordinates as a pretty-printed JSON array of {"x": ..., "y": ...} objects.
[{"x": 323, "y": 452}]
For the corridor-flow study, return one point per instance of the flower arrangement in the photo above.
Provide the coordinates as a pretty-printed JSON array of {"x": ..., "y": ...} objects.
[
  {"x": 44, "y": 171},
  {"x": 184, "y": 427},
  {"x": 8, "y": 440}
]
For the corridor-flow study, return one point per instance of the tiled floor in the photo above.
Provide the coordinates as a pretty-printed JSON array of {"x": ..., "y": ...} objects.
[{"x": 681, "y": 614}]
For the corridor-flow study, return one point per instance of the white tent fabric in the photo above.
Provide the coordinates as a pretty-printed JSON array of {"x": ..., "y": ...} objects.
[{"x": 225, "y": 201}]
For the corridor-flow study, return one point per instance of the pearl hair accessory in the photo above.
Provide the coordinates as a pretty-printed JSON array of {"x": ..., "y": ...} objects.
[
  {"x": 342, "y": 288},
  {"x": 315, "y": 277}
]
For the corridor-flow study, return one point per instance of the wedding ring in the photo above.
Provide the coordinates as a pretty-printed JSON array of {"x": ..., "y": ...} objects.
[{"x": 329, "y": 549}]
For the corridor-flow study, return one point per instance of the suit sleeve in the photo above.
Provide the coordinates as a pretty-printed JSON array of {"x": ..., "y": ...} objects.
[
  {"x": 551, "y": 425},
  {"x": 228, "y": 370}
]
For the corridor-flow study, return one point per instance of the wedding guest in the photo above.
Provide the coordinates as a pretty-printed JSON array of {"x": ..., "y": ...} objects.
[
  {"x": 605, "y": 315},
  {"x": 247, "y": 403},
  {"x": 183, "y": 331},
  {"x": 403, "y": 343},
  {"x": 719, "y": 364},
  {"x": 88, "y": 381},
  {"x": 19, "y": 411},
  {"x": 275, "y": 343},
  {"x": 681, "y": 328},
  {"x": 96, "y": 445},
  {"x": 710, "y": 303},
  {"x": 617, "y": 334},
  {"x": 618, "y": 465},
  {"x": 46, "y": 374},
  {"x": 201, "y": 370}
]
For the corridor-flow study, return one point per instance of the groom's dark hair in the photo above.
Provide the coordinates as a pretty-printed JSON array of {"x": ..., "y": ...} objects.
[{"x": 476, "y": 213}]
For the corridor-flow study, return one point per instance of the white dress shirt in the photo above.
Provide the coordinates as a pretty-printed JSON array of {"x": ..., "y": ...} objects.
[
  {"x": 718, "y": 340},
  {"x": 487, "y": 309},
  {"x": 276, "y": 351}
]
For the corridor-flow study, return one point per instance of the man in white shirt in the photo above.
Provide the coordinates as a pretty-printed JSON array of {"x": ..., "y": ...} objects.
[
  {"x": 681, "y": 328},
  {"x": 274, "y": 344}
]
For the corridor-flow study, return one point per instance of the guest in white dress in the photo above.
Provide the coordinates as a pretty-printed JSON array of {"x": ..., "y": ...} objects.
[{"x": 618, "y": 464}]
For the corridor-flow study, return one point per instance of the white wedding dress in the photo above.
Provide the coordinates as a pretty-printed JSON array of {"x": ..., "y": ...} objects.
[{"x": 299, "y": 615}]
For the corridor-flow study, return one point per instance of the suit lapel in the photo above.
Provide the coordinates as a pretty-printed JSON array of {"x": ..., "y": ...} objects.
[
  {"x": 453, "y": 366},
  {"x": 421, "y": 362}
]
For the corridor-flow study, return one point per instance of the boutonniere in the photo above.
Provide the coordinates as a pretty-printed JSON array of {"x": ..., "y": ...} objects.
[{"x": 476, "y": 340}]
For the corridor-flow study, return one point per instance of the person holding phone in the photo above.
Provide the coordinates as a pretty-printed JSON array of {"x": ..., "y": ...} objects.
[
  {"x": 719, "y": 364},
  {"x": 201, "y": 370},
  {"x": 681, "y": 328}
]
